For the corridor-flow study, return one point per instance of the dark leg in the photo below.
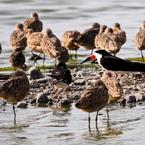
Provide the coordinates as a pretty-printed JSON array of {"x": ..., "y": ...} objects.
[
  {"x": 89, "y": 120},
  {"x": 43, "y": 58},
  {"x": 92, "y": 51},
  {"x": 76, "y": 55},
  {"x": 14, "y": 115},
  {"x": 70, "y": 54},
  {"x": 97, "y": 120},
  {"x": 107, "y": 116},
  {"x": 142, "y": 55}
]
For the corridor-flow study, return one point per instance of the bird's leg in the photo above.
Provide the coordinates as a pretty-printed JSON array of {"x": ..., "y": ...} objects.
[
  {"x": 14, "y": 115},
  {"x": 70, "y": 54},
  {"x": 97, "y": 120},
  {"x": 55, "y": 62},
  {"x": 92, "y": 50},
  {"x": 89, "y": 125},
  {"x": 107, "y": 111},
  {"x": 43, "y": 58},
  {"x": 142, "y": 55},
  {"x": 76, "y": 54}
]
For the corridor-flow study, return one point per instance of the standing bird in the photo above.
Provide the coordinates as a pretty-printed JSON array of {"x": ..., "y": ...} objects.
[
  {"x": 68, "y": 41},
  {"x": 108, "y": 41},
  {"x": 93, "y": 99},
  {"x": 17, "y": 39},
  {"x": 140, "y": 39},
  {"x": 15, "y": 89},
  {"x": 113, "y": 85},
  {"x": 33, "y": 23},
  {"x": 87, "y": 38},
  {"x": 113, "y": 63},
  {"x": 17, "y": 59},
  {"x": 63, "y": 76},
  {"x": 51, "y": 45},
  {"x": 34, "y": 43},
  {"x": 119, "y": 33}
]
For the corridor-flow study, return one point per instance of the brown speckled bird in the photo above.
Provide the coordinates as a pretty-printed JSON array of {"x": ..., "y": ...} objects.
[
  {"x": 17, "y": 38},
  {"x": 17, "y": 59},
  {"x": 108, "y": 41},
  {"x": 94, "y": 99},
  {"x": 140, "y": 39},
  {"x": 87, "y": 38},
  {"x": 113, "y": 85},
  {"x": 15, "y": 89},
  {"x": 68, "y": 41},
  {"x": 51, "y": 45},
  {"x": 119, "y": 33},
  {"x": 33, "y": 23}
]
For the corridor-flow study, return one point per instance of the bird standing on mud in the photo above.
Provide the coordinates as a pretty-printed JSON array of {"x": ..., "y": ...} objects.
[{"x": 15, "y": 89}]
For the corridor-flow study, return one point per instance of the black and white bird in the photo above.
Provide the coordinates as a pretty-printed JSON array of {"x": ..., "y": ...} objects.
[{"x": 113, "y": 63}]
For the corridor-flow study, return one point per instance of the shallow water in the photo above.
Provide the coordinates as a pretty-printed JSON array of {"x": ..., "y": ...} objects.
[
  {"x": 62, "y": 15},
  {"x": 41, "y": 126},
  {"x": 46, "y": 126}
]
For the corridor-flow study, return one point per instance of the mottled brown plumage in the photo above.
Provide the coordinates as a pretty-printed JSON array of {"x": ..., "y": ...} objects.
[
  {"x": 33, "y": 23},
  {"x": 15, "y": 89},
  {"x": 68, "y": 41},
  {"x": 108, "y": 41},
  {"x": 113, "y": 85},
  {"x": 17, "y": 38},
  {"x": 119, "y": 33},
  {"x": 93, "y": 99},
  {"x": 86, "y": 39},
  {"x": 34, "y": 40},
  {"x": 17, "y": 59},
  {"x": 140, "y": 39}
]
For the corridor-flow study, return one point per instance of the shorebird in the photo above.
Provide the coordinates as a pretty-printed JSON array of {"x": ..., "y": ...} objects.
[
  {"x": 119, "y": 33},
  {"x": 51, "y": 45},
  {"x": 17, "y": 59},
  {"x": 17, "y": 38},
  {"x": 93, "y": 99},
  {"x": 15, "y": 89},
  {"x": 63, "y": 76},
  {"x": 113, "y": 63},
  {"x": 108, "y": 41},
  {"x": 87, "y": 38},
  {"x": 33, "y": 23},
  {"x": 68, "y": 41},
  {"x": 140, "y": 39},
  {"x": 34, "y": 42},
  {"x": 113, "y": 85}
]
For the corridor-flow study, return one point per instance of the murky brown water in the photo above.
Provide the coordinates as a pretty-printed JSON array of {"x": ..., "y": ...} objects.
[{"x": 41, "y": 126}]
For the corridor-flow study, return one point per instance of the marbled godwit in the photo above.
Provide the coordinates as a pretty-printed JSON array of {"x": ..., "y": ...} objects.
[
  {"x": 17, "y": 38},
  {"x": 113, "y": 63},
  {"x": 17, "y": 60},
  {"x": 15, "y": 89},
  {"x": 34, "y": 41},
  {"x": 68, "y": 41},
  {"x": 51, "y": 45},
  {"x": 113, "y": 85},
  {"x": 87, "y": 38},
  {"x": 94, "y": 99},
  {"x": 140, "y": 39},
  {"x": 119, "y": 33},
  {"x": 33, "y": 23},
  {"x": 108, "y": 41}
]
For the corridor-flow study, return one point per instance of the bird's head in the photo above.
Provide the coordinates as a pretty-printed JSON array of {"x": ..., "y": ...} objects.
[{"x": 96, "y": 56}]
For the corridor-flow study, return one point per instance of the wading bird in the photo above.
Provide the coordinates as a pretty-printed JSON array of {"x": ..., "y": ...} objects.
[
  {"x": 94, "y": 99},
  {"x": 140, "y": 39},
  {"x": 15, "y": 89},
  {"x": 17, "y": 39},
  {"x": 33, "y": 23}
]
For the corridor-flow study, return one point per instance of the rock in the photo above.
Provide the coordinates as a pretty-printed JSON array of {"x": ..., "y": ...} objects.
[
  {"x": 35, "y": 73},
  {"x": 131, "y": 99},
  {"x": 23, "y": 105},
  {"x": 122, "y": 102},
  {"x": 79, "y": 82}
]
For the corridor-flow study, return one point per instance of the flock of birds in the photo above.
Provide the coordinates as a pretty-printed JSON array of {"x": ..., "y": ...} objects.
[{"x": 106, "y": 40}]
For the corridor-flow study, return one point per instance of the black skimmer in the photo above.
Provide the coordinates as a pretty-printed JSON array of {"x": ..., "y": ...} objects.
[{"x": 113, "y": 63}]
